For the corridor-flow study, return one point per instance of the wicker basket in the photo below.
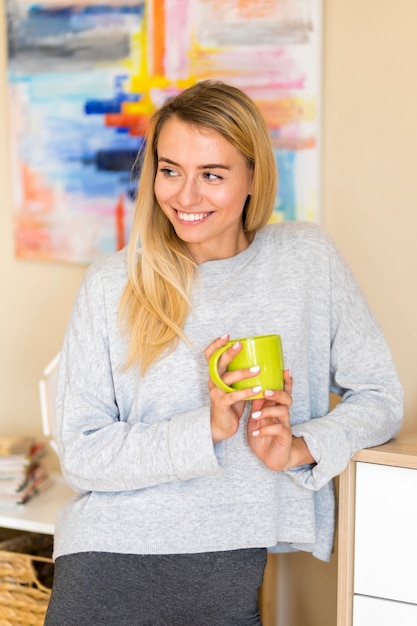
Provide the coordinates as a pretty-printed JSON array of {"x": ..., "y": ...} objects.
[{"x": 23, "y": 595}]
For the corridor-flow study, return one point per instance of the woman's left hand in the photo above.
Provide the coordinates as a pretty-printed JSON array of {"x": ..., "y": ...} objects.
[{"x": 269, "y": 430}]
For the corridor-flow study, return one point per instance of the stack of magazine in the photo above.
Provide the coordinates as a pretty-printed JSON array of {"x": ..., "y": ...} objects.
[{"x": 23, "y": 472}]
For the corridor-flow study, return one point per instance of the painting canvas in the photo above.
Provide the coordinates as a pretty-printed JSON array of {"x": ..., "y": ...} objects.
[{"x": 85, "y": 76}]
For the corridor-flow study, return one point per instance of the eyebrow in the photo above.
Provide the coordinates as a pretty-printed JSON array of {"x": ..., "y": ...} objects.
[{"x": 208, "y": 166}]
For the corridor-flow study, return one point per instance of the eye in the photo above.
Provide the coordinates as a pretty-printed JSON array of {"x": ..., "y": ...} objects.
[
  {"x": 168, "y": 172},
  {"x": 212, "y": 177}
]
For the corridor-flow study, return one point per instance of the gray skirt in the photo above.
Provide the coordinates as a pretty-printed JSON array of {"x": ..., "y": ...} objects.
[{"x": 209, "y": 589}]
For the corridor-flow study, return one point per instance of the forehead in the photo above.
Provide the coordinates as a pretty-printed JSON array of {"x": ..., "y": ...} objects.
[{"x": 180, "y": 138}]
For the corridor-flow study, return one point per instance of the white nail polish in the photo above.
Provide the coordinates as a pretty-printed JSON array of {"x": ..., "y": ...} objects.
[
  {"x": 256, "y": 414},
  {"x": 255, "y": 369},
  {"x": 257, "y": 389},
  {"x": 255, "y": 433},
  {"x": 268, "y": 392}
]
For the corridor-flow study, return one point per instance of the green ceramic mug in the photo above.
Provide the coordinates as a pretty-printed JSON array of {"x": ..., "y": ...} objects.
[{"x": 264, "y": 351}]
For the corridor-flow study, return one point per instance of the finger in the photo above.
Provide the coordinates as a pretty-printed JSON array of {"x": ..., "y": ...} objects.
[
  {"x": 271, "y": 412},
  {"x": 228, "y": 399},
  {"x": 259, "y": 421},
  {"x": 234, "y": 376},
  {"x": 228, "y": 355},
  {"x": 288, "y": 381},
  {"x": 277, "y": 429},
  {"x": 258, "y": 404},
  {"x": 271, "y": 415},
  {"x": 278, "y": 397},
  {"x": 217, "y": 343},
  {"x": 272, "y": 397}
]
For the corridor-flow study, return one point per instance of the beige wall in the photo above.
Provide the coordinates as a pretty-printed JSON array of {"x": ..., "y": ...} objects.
[
  {"x": 35, "y": 303},
  {"x": 369, "y": 207}
]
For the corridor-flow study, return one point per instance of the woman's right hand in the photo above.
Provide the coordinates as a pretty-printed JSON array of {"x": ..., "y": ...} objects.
[{"x": 226, "y": 408}]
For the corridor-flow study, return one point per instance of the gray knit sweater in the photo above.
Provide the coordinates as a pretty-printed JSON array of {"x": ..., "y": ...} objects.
[{"x": 138, "y": 450}]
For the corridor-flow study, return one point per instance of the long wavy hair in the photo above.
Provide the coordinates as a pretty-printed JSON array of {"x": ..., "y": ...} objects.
[{"x": 161, "y": 272}]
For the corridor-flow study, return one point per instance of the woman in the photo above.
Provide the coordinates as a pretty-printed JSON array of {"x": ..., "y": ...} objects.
[{"x": 181, "y": 487}]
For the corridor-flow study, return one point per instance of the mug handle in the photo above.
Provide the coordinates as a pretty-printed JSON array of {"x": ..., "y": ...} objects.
[{"x": 214, "y": 372}]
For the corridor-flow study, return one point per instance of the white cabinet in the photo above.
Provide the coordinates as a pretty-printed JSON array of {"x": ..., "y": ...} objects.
[
  {"x": 377, "y": 577},
  {"x": 39, "y": 514},
  {"x": 386, "y": 532},
  {"x": 376, "y": 612}
]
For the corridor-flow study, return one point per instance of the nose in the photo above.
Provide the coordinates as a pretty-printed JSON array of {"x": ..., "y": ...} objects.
[{"x": 189, "y": 194}]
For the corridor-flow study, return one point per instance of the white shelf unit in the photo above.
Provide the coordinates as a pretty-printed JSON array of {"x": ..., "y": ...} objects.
[{"x": 378, "y": 536}]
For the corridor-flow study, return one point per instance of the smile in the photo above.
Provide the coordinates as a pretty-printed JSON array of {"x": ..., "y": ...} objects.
[{"x": 192, "y": 217}]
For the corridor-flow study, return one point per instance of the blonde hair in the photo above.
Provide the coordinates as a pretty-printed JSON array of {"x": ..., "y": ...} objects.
[{"x": 156, "y": 301}]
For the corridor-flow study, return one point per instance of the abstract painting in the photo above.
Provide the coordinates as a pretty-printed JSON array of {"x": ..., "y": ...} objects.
[{"x": 84, "y": 77}]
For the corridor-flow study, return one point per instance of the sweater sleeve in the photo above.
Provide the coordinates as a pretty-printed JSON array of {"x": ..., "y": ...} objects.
[
  {"x": 98, "y": 450},
  {"x": 362, "y": 373}
]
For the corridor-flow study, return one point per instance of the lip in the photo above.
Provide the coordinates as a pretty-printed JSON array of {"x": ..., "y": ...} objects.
[{"x": 192, "y": 218}]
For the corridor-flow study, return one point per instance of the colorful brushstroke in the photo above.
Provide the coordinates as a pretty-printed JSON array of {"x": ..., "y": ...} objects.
[{"x": 85, "y": 77}]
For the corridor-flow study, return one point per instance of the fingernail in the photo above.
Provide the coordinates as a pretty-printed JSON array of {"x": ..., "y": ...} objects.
[
  {"x": 255, "y": 433},
  {"x": 236, "y": 345},
  {"x": 256, "y": 414},
  {"x": 255, "y": 369},
  {"x": 257, "y": 389},
  {"x": 226, "y": 336},
  {"x": 268, "y": 392}
]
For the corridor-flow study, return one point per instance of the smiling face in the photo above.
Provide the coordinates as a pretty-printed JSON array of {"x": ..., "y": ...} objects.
[{"x": 201, "y": 185}]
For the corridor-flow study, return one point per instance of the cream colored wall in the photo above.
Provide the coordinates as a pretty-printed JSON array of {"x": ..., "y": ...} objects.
[
  {"x": 35, "y": 303},
  {"x": 369, "y": 207},
  {"x": 370, "y": 162}
]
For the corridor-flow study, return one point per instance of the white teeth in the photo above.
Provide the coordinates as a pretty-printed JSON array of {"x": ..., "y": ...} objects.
[{"x": 192, "y": 217}]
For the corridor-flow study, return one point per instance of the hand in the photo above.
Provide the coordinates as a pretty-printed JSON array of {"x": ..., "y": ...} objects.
[
  {"x": 269, "y": 430},
  {"x": 226, "y": 409}
]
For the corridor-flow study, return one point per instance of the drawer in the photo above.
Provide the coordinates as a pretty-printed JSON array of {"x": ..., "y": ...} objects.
[
  {"x": 386, "y": 533},
  {"x": 377, "y": 612}
]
